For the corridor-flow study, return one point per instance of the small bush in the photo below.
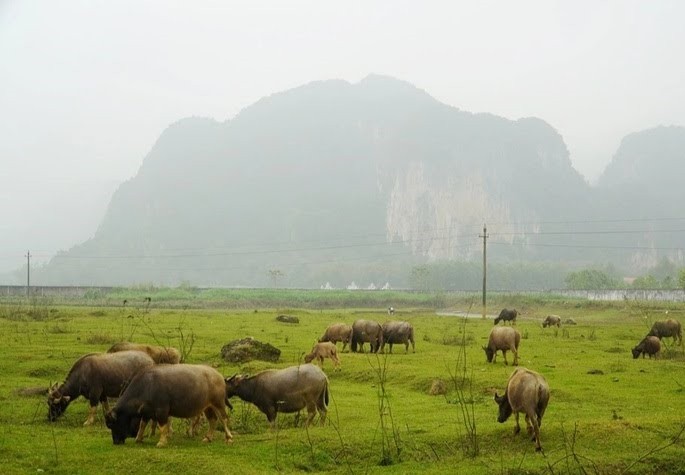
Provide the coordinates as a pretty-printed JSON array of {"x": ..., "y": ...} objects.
[{"x": 100, "y": 339}]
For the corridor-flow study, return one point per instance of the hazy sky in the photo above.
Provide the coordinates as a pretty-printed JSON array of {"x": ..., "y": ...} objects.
[{"x": 86, "y": 87}]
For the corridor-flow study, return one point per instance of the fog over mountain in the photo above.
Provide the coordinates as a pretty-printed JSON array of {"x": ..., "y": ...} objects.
[{"x": 333, "y": 181}]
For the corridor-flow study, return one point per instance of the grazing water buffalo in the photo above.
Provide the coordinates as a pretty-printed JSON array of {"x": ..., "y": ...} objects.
[
  {"x": 366, "y": 330},
  {"x": 158, "y": 353},
  {"x": 338, "y": 332},
  {"x": 160, "y": 392},
  {"x": 285, "y": 390},
  {"x": 551, "y": 320},
  {"x": 504, "y": 339},
  {"x": 666, "y": 328},
  {"x": 650, "y": 345},
  {"x": 322, "y": 350},
  {"x": 96, "y": 377},
  {"x": 507, "y": 315},
  {"x": 527, "y": 392},
  {"x": 398, "y": 332}
]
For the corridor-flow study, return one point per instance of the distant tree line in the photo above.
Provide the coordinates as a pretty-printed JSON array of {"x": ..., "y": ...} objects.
[{"x": 455, "y": 275}]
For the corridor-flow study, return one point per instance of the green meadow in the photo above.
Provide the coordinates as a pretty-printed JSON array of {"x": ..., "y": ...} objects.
[{"x": 608, "y": 413}]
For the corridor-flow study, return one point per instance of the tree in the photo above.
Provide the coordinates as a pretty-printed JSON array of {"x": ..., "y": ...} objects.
[
  {"x": 591, "y": 279},
  {"x": 276, "y": 276},
  {"x": 646, "y": 282},
  {"x": 681, "y": 278},
  {"x": 419, "y": 277}
]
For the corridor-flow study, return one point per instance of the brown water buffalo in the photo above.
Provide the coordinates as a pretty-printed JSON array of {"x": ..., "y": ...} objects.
[
  {"x": 527, "y": 392},
  {"x": 160, "y": 354},
  {"x": 160, "y": 392},
  {"x": 507, "y": 315},
  {"x": 551, "y": 320},
  {"x": 366, "y": 330},
  {"x": 284, "y": 390},
  {"x": 338, "y": 332},
  {"x": 504, "y": 339},
  {"x": 650, "y": 345},
  {"x": 398, "y": 332},
  {"x": 324, "y": 349},
  {"x": 666, "y": 328},
  {"x": 96, "y": 377}
]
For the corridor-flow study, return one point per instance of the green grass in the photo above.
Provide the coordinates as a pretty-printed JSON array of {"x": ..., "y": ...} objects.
[{"x": 609, "y": 420}]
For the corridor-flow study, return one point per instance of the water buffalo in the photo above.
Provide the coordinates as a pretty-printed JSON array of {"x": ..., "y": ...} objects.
[
  {"x": 666, "y": 328},
  {"x": 160, "y": 392},
  {"x": 366, "y": 330},
  {"x": 398, "y": 332},
  {"x": 551, "y": 320},
  {"x": 650, "y": 345},
  {"x": 96, "y": 377},
  {"x": 285, "y": 390},
  {"x": 338, "y": 332},
  {"x": 325, "y": 349},
  {"x": 504, "y": 339},
  {"x": 527, "y": 392},
  {"x": 160, "y": 354},
  {"x": 507, "y": 315}
]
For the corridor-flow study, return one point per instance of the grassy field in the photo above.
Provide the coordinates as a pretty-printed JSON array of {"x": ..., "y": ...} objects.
[{"x": 608, "y": 413}]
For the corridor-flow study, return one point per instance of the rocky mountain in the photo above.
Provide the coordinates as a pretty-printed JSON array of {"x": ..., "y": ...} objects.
[{"x": 331, "y": 180}]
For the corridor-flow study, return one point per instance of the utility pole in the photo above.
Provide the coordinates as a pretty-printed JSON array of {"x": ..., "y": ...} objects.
[
  {"x": 485, "y": 266},
  {"x": 28, "y": 273}
]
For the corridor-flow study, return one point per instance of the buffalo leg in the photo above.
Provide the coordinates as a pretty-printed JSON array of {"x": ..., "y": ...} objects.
[
  {"x": 141, "y": 430},
  {"x": 517, "y": 429},
  {"x": 322, "y": 414},
  {"x": 504, "y": 353},
  {"x": 92, "y": 411},
  {"x": 224, "y": 422},
  {"x": 311, "y": 412},
  {"x": 210, "y": 414},
  {"x": 163, "y": 433},
  {"x": 516, "y": 357}
]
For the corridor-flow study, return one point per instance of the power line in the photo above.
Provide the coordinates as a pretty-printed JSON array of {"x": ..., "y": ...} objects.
[
  {"x": 589, "y": 246},
  {"x": 43, "y": 252}
]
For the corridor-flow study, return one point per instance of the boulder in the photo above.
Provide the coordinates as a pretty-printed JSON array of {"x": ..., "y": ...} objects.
[{"x": 248, "y": 349}]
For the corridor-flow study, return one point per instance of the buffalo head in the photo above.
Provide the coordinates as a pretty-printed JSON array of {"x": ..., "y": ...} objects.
[
  {"x": 122, "y": 426},
  {"x": 57, "y": 403},
  {"x": 504, "y": 407},
  {"x": 489, "y": 353},
  {"x": 233, "y": 383}
]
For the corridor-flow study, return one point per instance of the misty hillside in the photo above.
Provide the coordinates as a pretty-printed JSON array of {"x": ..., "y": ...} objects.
[{"x": 334, "y": 180}]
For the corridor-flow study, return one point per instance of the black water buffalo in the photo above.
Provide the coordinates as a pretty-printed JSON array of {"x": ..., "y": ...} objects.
[
  {"x": 503, "y": 339},
  {"x": 507, "y": 315},
  {"x": 96, "y": 377},
  {"x": 285, "y": 390},
  {"x": 527, "y": 392},
  {"x": 160, "y": 354},
  {"x": 337, "y": 332},
  {"x": 398, "y": 332},
  {"x": 366, "y": 330},
  {"x": 160, "y": 392},
  {"x": 667, "y": 328},
  {"x": 650, "y": 345}
]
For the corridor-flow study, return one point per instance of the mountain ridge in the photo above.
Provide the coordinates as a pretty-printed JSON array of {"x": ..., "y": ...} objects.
[{"x": 325, "y": 161}]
